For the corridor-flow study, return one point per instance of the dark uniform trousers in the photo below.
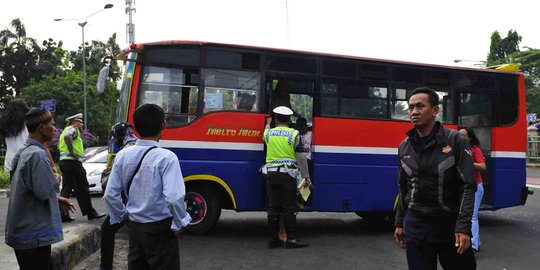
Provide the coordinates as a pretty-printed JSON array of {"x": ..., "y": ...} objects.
[
  {"x": 281, "y": 191},
  {"x": 153, "y": 246},
  {"x": 429, "y": 238},
  {"x": 74, "y": 177}
]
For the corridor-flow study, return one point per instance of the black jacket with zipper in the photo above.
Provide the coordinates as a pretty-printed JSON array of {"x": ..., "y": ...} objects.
[{"x": 438, "y": 180}]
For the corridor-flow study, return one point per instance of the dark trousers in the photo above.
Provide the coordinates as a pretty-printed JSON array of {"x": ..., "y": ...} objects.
[
  {"x": 153, "y": 246},
  {"x": 422, "y": 255},
  {"x": 281, "y": 191},
  {"x": 108, "y": 232},
  {"x": 34, "y": 258},
  {"x": 428, "y": 238},
  {"x": 74, "y": 177}
]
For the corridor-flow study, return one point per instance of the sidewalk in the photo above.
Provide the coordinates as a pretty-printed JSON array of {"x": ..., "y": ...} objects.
[{"x": 80, "y": 241}]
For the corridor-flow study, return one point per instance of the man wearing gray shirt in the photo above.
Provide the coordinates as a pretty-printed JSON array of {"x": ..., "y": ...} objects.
[
  {"x": 155, "y": 197},
  {"x": 33, "y": 219}
]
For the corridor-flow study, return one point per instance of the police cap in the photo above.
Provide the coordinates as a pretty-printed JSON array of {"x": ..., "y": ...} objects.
[
  {"x": 78, "y": 116},
  {"x": 283, "y": 110}
]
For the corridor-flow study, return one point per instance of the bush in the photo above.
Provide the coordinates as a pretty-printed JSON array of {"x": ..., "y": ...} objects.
[{"x": 4, "y": 178}]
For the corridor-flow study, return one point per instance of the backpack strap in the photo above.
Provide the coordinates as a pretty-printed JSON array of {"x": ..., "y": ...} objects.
[{"x": 126, "y": 192}]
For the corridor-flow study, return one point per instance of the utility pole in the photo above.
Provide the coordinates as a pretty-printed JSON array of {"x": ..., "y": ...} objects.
[{"x": 130, "y": 27}]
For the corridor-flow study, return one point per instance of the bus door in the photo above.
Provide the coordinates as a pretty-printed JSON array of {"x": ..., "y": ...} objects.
[
  {"x": 295, "y": 93},
  {"x": 476, "y": 110}
]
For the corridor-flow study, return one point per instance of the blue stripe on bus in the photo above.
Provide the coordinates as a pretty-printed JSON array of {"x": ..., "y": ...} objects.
[
  {"x": 510, "y": 177},
  {"x": 343, "y": 182}
]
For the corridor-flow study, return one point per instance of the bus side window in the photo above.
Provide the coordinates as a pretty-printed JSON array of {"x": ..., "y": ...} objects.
[
  {"x": 174, "y": 89},
  {"x": 231, "y": 90}
]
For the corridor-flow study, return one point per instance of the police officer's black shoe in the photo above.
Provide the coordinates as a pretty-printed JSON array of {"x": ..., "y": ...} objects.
[
  {"x": 275, "y": 243},
  {"x": 295, "y": 243}
]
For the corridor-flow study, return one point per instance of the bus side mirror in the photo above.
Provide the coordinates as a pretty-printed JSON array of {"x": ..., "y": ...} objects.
[{"x": 102, "y": 80}]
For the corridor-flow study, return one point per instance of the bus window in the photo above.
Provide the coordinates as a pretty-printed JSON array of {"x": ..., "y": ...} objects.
[
  {"x": 360, "y": 100},
  {"x": 291, "y": 64},
  {"x": 231, "y": 90},
  {"x": 303, "y": 105},
  {"x": 298, "y": 95},
  {"x": 339, "y": 69},
  {"x": 174, "y": 89},
  {"x": 475, "y": 110},
  {"x": 400, "y": 97},
  {"x": 329, "y": 99},
  {"x": 446, "y": 106},
  {"x": 508, "y": 95},
  {"x": 400, "y": 106},
  {"x": 232, "y": 60}
]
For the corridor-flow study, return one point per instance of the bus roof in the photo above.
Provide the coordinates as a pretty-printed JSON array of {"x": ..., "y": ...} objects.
[{"x": 495, "y": 69}]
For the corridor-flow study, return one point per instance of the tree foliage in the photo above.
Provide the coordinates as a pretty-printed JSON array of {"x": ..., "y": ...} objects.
[
  {"x": 530, "y": 66},
  {"x": 49, "y": 72},
  {"x": 501, "y": 48},
  {"x": 506, "y": 50}
]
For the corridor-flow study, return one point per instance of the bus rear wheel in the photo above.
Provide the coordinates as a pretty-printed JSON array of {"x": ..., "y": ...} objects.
[
  {"x": 204, "y": 208},
  {"x": 376, "y": 217}
]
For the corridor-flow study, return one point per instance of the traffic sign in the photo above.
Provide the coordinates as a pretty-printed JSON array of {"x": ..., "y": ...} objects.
[{"x": 48, "y": 104}]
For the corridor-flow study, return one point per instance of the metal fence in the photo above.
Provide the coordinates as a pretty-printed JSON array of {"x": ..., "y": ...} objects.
[{"x": 533, "y": 147}]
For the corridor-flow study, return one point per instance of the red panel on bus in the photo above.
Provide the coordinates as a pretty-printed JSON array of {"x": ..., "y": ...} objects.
[{"x": 221, "y": 127}]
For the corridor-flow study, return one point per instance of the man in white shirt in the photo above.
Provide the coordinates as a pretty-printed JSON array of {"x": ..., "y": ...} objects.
[{"x": 155, "y": 197}]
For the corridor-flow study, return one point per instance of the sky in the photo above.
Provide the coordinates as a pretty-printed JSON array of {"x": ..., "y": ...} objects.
[{"x": 425, "y": 31}]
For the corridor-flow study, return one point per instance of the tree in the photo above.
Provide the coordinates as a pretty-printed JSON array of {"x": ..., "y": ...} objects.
[
  {"x": 506, "y": 50},
  {"x": 66, "y": 91},
  {"x": 501, "y": 48},
  {"x": 95, "y": 53},
  {"x": 530, "y": 66},
  {"x": 23, "y": 60},
  {"x": 18, "y": 59}
]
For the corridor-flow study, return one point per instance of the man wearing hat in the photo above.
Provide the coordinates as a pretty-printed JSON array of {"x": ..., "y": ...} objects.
[
  {"x": 71, "y": 149},
  {"x": 281, "y": 170},
  {"x": 33, "y": 219}
]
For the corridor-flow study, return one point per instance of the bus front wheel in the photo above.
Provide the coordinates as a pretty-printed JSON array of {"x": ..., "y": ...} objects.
[{"x": 204, "y": 209}]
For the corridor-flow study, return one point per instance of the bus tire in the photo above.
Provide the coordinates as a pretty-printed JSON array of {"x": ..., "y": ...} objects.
[
  {"x": 204, "y": 208},
  {"x": 377, "y": 217}
]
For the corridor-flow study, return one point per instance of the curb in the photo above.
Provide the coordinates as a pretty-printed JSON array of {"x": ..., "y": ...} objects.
[
  {"x": 80, "y": 241},
  {"x": 4, "y": 193},
  {"x": 533, "y": 165}
]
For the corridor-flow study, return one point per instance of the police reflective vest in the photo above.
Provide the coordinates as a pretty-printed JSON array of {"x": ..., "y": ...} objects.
[
  {"x": 77, "y": 144},
  {"x": 280, "y": 143}
]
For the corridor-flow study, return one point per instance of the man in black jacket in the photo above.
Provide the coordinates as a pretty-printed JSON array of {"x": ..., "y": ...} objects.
[{"x": 436, "y": 190}]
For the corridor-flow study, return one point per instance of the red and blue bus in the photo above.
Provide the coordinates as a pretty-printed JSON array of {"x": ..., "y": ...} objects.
[{"x": 217, "y": 96}]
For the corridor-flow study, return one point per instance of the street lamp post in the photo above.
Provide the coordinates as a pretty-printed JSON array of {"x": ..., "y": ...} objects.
[{"x": 82, "y": 25}]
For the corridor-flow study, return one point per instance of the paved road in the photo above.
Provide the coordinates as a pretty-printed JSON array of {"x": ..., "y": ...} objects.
[{"x": 510, "y": 240}]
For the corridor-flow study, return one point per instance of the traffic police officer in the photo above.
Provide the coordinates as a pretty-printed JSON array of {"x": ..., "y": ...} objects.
[
  {"x": 281, "y": 170},
  {"x": 71, "y": 149}
]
